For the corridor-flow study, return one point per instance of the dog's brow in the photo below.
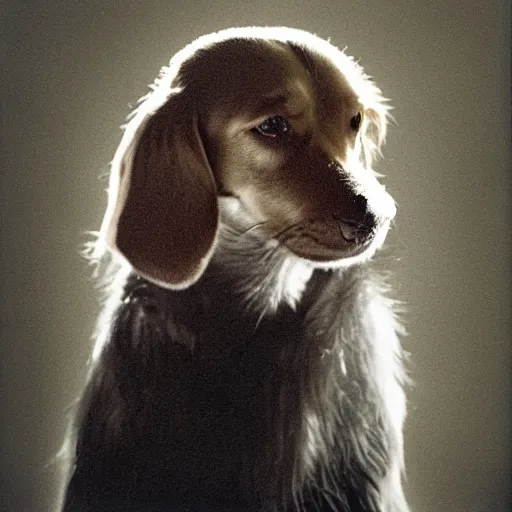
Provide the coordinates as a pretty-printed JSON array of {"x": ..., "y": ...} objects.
[
  {"x": 281, "y": 101},
  {"x": 273, "y": 101}
]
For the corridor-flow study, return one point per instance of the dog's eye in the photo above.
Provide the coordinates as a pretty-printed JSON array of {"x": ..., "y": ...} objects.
[
  {"x": 274, "y": 126},
  {"x": 355, "y": 122}
]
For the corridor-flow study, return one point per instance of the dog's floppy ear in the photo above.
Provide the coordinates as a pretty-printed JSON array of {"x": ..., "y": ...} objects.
[{"x": 162, "y": 214}]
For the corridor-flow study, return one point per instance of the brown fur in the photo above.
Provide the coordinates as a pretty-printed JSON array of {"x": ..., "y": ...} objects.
[{"x": 248, "y": 354}]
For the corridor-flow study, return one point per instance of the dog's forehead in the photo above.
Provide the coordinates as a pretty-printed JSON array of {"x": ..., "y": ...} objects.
[
  {"x": 257, "y": 65},
  {"x": 330, "y": 78},
  {"x": 256, "y": 71}
]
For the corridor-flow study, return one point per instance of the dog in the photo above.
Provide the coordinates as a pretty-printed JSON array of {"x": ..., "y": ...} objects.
[{"x": 248, "y": 357}]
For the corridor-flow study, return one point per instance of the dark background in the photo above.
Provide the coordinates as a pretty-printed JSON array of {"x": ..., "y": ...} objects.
[{"x": 68, "y": 73}]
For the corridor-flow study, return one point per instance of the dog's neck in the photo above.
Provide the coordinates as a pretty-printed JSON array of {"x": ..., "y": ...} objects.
[{"x": 263, "y": 273}]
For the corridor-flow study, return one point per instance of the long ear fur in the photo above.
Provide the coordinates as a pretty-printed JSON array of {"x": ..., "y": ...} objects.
[
  {"x": 162, "y": 214},
  {"x": 376, "y": 110},
  {"x": 375, "y": 128}
]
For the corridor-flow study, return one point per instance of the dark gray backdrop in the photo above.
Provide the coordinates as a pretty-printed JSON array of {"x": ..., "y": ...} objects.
[{"x": 69, "y": 71}]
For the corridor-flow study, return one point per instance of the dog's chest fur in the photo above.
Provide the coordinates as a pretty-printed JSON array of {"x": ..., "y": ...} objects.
[{"x": 200, "y": 391}]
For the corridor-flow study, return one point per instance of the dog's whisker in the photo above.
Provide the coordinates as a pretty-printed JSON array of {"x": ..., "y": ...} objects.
[
  {"x": 253, "y": 227},
  {"x": 284, "y": 234}
]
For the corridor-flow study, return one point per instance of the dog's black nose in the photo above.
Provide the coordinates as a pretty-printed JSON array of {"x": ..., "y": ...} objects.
[
  {"x": 355, "y": 222},
  {"x": 355, "y": 232}
]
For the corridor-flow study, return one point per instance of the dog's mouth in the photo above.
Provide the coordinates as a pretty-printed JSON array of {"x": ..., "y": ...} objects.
[
  {"x": 333, "y": 240},
  {"x": 312, "y": 249}
]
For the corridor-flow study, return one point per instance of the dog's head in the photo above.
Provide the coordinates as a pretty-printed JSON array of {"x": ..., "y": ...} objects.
[{"x": 278, "y": 119}]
